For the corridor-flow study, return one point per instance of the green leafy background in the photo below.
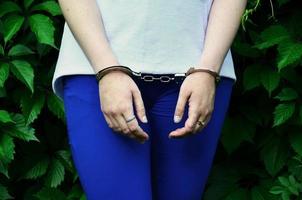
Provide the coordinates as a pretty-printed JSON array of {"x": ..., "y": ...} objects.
[{"x": 259, "y": 156}]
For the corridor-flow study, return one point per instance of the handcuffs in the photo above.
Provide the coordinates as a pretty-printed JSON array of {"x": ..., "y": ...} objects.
[{"x": 149, "y": 77}]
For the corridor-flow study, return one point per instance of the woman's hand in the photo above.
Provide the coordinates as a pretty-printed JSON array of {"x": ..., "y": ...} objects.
[
  {"x": 199, "y": 88},
  {"x": 117, "y": 91}
]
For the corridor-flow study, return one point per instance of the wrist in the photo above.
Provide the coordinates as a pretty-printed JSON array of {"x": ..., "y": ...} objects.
[
  {"x": 104, "y": 61},
  {"x": 120, "y": 68},
  {"x": 211, "y": 64},
  {"x": 215, "y": 75}
]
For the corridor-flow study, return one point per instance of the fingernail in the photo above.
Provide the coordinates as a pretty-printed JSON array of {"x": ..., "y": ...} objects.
[
  {"x": 145, "y": 119},
  {"x": 176, "y": 118}
]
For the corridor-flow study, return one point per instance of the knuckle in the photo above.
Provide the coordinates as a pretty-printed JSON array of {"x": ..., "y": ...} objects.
[
  {"x": 106, "y": 111},
  {"x": 179, "y": 110},
  {"x": 119, "y": 110},
  {"x": 141, "y": 109},
  {"x": 133, "y": 127},
  {"x": 190, "y": 127},
  {"x": 126, "y": 130},
  {"x": 207, "y": 111},
  {"x": 182, "y": 95},
  {"x": 110, "y": 111},
  {"x": 136, "y": 91},
  {"x": 201, "y": 112},
  {"x": 123, "y": 108},
  {"x": 127, "y": 108},
  {"x": 115, "y": 112}
]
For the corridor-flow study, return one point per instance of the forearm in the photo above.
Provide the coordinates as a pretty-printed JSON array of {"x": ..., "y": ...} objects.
[
  {"x": 224, "y": 20},
  {"x": 84, "y": 20}
]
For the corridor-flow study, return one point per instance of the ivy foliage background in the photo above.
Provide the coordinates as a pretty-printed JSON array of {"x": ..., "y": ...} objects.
[{"x": 259, "y": 156}]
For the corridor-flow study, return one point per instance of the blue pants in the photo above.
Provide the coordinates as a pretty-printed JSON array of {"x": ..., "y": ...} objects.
[{"x": 112, "y": 166}]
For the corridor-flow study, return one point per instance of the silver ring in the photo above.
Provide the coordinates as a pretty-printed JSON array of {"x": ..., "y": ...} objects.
[{"x": 128, "y": 120}]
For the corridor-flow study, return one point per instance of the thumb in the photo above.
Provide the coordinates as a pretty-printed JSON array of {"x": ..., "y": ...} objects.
[
  {"x": 180, "y": 106},
  {"x": 139, "y": 105}
]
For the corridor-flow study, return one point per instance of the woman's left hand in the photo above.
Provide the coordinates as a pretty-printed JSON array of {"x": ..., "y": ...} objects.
[{"x": 199, "y": 88}]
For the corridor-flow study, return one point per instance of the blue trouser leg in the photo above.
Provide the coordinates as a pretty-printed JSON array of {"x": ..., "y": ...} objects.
[
  {"x": 180, "y": 167},
  {"x": 113, "y": 167},
  {"x": 110, "y": 166}
]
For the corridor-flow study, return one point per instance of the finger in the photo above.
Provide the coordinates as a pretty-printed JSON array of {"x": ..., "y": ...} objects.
[
  {"x": 179, "y": 133},
  {"x": 108, "y": 120},
  {"x": 141, "y": 136},
  {"x": 200, "y": 127},
  {"x": 115, "y": 124},
  {"x": 180, "y": 105},
  {"x": 133, "y": 125},
  {"x": 139, "y": 105},
  {"x": 184, "y": 131},
  {"x": 123, "y": 124},
  {"x": 193, "y": 116},
  {"x": 136, "y": 130}
]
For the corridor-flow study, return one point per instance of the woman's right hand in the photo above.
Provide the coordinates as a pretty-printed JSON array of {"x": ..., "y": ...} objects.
[{"x": 117, "y": 90}]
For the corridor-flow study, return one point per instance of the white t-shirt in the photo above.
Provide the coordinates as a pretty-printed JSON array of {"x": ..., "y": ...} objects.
[{"x": 151, "y": 36}]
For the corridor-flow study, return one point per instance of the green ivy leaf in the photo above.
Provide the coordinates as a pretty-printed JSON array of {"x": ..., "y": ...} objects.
[
  {"x": 250, "y": 77},
  {"x": 283, "y": 181},
  {"x": 1, "y": 50},
  {"x": 245, "y": 49},
  {"x": 222, "y": 181},
  {"x": 47, "y": 193},
  {"x": 50, "y": 6},
  {"x": 7, "y": 151},
  {"x": 20, "y": 130},
  {"x": 289, "y": 52},
  {"x": 277, "y": 190},
  {"x": 38, "y": 170},
  {"x": 270, "y": 79},
  {"x": 239, "y": 193},
  {"x": 8, "y": 7},
  {"x": 283, "y": 112},
  {"x": 42, "y": 26},
  {"x": 244, "y": 132},
  {"x": 4, "y": 72},
  {"x": 296, "y": 142},
  {"x": 56, "y": 106},
  {"x": 20, "y": 50},
  {"x": 260, "y": 192},
  {"x": 4, "y": 195},
  {"x": 32, "y": 106},
  {"x": 282, "y": 2},
  {"x": 11, "y": 26},
  {"x": 65, "y": 158},
  {"x": 287, "y": 94},
  {"x": 272, "y": 35},
  {"x": 55, "y": 174},
  {"x": 5, "y": 117},
  {"x": 274, "y": 154},
  {"x": 83, "y": 197},
  {"x": 24, "y": 72},
  {"x": 76, "y": 192},
  {"x": 27, "y": 3}
]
